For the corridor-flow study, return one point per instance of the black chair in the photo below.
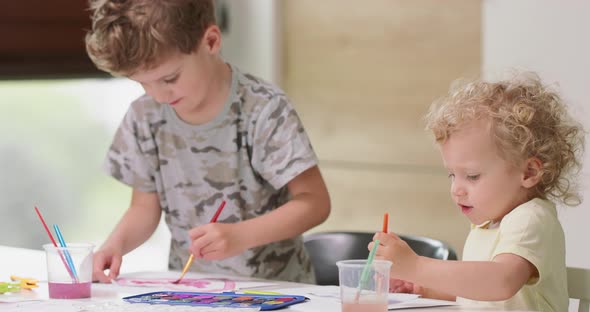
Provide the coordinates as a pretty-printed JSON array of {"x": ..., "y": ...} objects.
[{"x": 328, "y": 247}]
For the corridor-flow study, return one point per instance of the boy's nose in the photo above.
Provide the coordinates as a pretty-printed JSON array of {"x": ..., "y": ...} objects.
[{"x": 160, "y": 95}]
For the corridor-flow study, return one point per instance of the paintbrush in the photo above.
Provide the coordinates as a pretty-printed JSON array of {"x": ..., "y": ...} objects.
[
  {"x": 365, "y": 272},
  {"x": 192, "y": 257},
  {"x": 68, "y": 268}
]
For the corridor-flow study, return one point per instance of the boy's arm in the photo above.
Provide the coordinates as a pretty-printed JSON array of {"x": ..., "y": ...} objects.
[
  {"x": 137, "y": 224},
  {"x": 493, "y": 280},
  {"x": 309, "y": 206}
]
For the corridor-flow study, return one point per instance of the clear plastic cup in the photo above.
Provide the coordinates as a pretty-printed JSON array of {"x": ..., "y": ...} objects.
[
  {"x": 368, "y": 295},
  {"x": 63, "y": 281}
]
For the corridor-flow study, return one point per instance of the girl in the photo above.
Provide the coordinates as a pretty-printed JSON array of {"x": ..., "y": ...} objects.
[{"x": 508, "y": 148}]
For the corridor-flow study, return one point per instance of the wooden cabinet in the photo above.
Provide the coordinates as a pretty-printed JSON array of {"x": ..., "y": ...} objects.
[
  {"x": 361, "y": 77},
  {"x": 40, "y": 38}
]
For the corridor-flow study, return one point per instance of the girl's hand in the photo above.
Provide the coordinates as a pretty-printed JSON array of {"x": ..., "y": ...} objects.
[
  {"x": 401, "y": 286},
  {"x": 397, "y": 251},
  {"x": 215, "y": 241}
]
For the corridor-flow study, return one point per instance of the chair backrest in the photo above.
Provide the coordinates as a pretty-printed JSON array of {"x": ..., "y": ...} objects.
[
  {"x": 578, "y": 287},
  {"x": 326, "y": 248}
]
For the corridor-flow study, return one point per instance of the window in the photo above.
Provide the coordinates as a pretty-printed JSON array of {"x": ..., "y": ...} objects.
[
  {"x": 44, "y": 39},
  {"x": 55, "y": 136}
]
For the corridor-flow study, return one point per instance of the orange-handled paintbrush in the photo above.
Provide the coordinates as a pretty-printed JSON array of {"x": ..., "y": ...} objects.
[{"x": 192, "y": 257}]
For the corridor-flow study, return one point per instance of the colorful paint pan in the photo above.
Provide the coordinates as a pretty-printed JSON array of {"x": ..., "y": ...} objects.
[{"x": 226, "y": 299}]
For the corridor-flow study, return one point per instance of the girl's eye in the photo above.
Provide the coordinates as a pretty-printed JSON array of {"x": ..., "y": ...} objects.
[
  {"x": 473, "y": 177},
  {"x": 451, "y": 176}
]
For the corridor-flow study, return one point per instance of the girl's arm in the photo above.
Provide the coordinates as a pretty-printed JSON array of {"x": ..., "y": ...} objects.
[
  {"x": 494, "y": 280},
  {"x": 401, "y": 286},
  {"x": 434, "y": 294}
]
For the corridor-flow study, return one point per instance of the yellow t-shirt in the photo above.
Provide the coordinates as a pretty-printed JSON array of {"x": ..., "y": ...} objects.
[{"x": 533, "y": 232}]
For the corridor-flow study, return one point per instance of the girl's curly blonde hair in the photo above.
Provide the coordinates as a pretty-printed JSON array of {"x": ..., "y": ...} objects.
[
  {"x": 131, "y": 35},
  {"x": 527, "y": 120}
]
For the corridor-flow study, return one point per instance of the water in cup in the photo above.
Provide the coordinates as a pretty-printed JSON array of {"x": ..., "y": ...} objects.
[
  {"x": 369, "y": 295},
  {"x": 69, "y": 270}
]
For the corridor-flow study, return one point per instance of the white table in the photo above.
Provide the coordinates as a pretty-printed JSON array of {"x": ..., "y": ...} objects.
[{"x": 31, "y": 263}]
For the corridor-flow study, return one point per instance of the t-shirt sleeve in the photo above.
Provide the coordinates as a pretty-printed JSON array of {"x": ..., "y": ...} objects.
[
  {"x": 523, "y": 233},
  {"x": 132, "y": 156},
  {"x": 281, "y": 149}
]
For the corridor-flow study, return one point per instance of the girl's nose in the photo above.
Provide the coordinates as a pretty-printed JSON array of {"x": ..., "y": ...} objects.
[{"x": 457, "y": 189}]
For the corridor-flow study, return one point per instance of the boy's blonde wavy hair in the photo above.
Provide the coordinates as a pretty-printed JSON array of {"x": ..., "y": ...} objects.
[
  {"x": 131, "y": 35},
  {"x": 527, "y": 120}
]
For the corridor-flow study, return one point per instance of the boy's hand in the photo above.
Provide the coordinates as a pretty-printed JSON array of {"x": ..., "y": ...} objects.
[
  {"x": 215, "y": 241},
  {"x": 106, "y": 259},
  {"x": 397, "y": 251}
]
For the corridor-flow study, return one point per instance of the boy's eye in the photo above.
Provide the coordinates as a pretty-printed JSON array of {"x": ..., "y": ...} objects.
[
  {"x": 451, "y": 176},
  {"x": 171, "y": 80},
  {"x": 473, "y": 177}
]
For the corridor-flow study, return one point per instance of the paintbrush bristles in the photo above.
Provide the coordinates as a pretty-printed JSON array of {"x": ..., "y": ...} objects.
[{"x": 185, "y": 269}]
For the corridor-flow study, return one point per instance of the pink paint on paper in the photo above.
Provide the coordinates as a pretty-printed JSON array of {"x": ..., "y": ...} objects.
[{"x": 201, "y": 284}]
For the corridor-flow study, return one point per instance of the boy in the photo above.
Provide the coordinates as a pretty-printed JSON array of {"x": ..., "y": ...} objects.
[{"x": 204, "y": 132}]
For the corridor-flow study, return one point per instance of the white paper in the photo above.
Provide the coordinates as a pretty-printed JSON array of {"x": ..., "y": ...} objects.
[
  {"x": 421, "y": 303},
  {"x": 327, "y": 299},
  {"x": 191, "y": 282},
  {"x": 35, "y": 294},
  {"x": 110, "y": 306}
]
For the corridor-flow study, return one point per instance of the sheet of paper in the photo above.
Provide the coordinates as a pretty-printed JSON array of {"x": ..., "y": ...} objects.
[
  {"x": 190, "y": 282},
  {"x": 327, "y": 299},
  {"x": 35, "y": 294},
  {"x": 140, "y": 282},
  {"x": 110, "y": 306},
  {"x": 420, "y": 303}
]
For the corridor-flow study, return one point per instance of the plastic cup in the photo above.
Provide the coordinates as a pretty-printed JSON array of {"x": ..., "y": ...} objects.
[
  {"x": 371, "y": 296},
  {"x": 60, "y": 280}
]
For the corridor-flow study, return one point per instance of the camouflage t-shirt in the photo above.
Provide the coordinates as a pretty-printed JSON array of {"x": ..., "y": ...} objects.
[{"x": 245, "y": 156}]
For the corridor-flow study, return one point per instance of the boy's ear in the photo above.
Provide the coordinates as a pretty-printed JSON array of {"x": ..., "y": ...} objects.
[
  {"x": 533, "y": 170},
  {"x": 212, "y": 39}
]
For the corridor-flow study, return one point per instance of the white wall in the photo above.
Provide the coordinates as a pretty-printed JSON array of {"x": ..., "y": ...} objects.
[
  {"x": 251, "y": 40},
  {"x": 553, "y": 39}
]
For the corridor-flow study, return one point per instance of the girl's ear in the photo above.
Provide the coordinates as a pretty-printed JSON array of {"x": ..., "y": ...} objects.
[{"x": 533, "y": 170}]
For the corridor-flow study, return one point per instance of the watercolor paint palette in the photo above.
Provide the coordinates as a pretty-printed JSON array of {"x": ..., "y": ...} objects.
[{"x": 226, "y": 299}]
